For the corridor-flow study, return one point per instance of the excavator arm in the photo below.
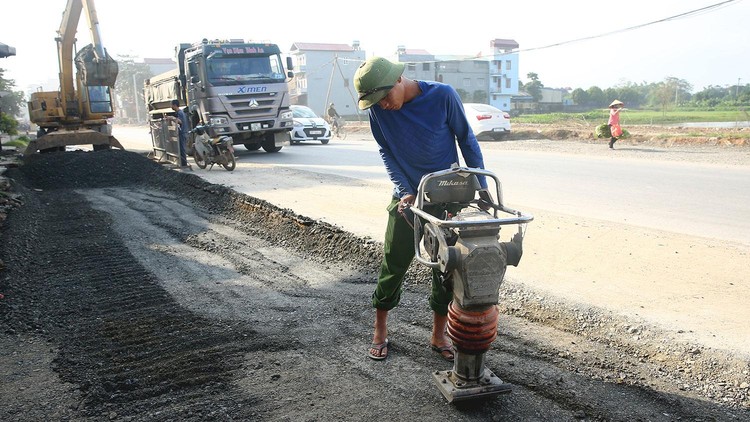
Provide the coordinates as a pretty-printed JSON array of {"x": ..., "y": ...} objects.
[{"x": 84, "y": 102}]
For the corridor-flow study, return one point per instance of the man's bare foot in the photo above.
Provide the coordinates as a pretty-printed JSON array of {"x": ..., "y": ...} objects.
[
  {"x": 446, "y": 351},
  {"x": 378, "y": 351},
  {"x": 379, "y": 347}
]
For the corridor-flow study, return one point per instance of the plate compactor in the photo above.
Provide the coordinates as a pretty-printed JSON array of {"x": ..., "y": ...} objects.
[{"x": 465, "y": 248}]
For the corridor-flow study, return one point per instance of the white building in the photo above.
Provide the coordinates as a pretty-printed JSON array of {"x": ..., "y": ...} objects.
[{"x": 503, "y": 78}]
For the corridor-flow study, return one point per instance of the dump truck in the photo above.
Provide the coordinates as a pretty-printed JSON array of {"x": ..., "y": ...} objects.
[
  {"x": 79, "y": 113},
  {"x": 232, "y": 87}
]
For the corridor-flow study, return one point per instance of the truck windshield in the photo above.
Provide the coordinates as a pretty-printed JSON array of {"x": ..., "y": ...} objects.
[{"x": 244, "y": 69}]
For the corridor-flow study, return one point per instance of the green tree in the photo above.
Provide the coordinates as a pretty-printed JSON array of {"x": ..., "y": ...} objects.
[
  {"x": 10, "y": 101},
  {"x": 580, "y": 97},
  {"x": 597, "y": 97},
  {"x": 632, "y": 95},
  {"x": 480, "y": 96},
  {"x": 8, "y": 124},
  {"x": 711, "y": 96},
  {"x": 534, "y": 88},
  {"x": 670, "y": 92},
  {"x": 129, "y": 86}
]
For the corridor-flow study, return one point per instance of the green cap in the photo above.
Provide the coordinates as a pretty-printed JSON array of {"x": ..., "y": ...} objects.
[{"x": 374, "y": 78}]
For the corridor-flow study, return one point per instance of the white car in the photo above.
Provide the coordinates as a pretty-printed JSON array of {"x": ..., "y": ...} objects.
[
  {"x": 487, "y": 121},
  {"x": 308, "y": 126}
]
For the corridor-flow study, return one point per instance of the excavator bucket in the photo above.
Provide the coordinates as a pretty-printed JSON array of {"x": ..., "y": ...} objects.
[{"x": 96, "y": 71}]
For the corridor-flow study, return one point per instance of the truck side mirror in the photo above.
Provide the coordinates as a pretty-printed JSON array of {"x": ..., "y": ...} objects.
[{"x": 289, "y": 64}]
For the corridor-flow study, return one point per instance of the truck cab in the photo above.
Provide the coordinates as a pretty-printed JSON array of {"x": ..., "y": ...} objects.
[{"x": 238, "y": 89}]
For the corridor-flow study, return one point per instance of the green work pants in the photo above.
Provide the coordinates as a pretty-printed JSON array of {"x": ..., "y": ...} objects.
[{"x": 398, "y": 253}]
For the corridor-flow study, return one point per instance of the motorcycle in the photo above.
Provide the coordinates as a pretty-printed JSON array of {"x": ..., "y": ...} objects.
[{"x": 207, "y": 150}]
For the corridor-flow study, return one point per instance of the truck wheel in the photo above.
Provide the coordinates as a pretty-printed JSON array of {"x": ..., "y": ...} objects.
[
  {"x": 271, "y": 148},
  {"x": 252, "y": 147}
]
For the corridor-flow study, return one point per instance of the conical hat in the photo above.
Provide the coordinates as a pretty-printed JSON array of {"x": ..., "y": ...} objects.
[{"x": 616, "y": 103}]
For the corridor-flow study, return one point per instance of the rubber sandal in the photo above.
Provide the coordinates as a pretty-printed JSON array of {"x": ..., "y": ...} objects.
[
  {"x": 443, "y": 350},
  {"x": 379, "y": 347}
]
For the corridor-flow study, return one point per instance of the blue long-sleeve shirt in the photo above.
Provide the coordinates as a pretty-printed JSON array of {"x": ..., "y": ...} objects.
[
  {"x": 183, "y": 122},
  {"x": 421, "y": 137}
]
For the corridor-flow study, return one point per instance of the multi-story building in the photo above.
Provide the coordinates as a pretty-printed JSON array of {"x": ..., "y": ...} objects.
[
  {"x": 324, "y": 74},
  {"x": 503, "y": 72},
  {"x": 467, "y": 75}
]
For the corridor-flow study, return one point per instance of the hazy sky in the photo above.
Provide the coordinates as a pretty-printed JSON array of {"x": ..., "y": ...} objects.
[{"x": 709, "y": 48}]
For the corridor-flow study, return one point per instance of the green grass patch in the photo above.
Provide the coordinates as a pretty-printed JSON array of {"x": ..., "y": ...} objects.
[
  {"x": 636, "y": 117},
  {"x": 18, "y": 143}
]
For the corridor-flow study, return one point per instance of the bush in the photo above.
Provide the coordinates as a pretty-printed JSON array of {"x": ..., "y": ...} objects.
[
  {"x": 602, "y": 131},
  {"x": 20, "y": 142}
]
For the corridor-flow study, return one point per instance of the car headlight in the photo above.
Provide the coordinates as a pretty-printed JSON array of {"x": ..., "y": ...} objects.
[
  {"x": 297, "y": 124},
  {"x": 218, "y": 120},
  {"x": 286, "y": 115}
]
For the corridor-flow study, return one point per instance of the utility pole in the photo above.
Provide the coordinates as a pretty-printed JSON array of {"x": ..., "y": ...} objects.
[
  {"x": 135, "y": 101},
  {"x": 330, "y": 83}
]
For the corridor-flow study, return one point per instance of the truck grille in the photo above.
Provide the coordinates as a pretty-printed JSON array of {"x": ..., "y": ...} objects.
[{"x": 252, "y": 105}]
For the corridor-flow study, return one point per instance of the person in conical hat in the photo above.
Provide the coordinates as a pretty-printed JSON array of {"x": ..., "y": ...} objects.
[{"x": 614, "y": 122}]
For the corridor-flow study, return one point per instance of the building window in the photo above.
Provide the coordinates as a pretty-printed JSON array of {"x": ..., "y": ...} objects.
[
  {"x": 507, "y": 83},
  {"x": 411, "y": 66},
  {"x": 507, "y": 65},
  {"x": 425, "y": 66}
]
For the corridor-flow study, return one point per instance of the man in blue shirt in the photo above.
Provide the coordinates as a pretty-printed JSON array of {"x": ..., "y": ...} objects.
[
  {"x": 417, "y": 125},
  {"x": 182, "y": 131}
]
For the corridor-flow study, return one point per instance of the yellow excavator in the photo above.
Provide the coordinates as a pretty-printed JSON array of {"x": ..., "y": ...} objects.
[{"x": 78, "y": 113}]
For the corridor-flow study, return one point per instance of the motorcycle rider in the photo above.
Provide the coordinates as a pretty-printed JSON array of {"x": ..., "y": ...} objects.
[{"x": 333, "y": 117}]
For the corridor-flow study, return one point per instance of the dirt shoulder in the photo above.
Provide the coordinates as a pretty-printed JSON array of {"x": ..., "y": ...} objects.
[{"x": 666, "y": 136}]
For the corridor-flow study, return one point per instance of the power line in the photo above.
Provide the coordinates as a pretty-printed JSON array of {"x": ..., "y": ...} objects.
[
  {"x": 691, "y": 13},
  {"x": 671, "y": 18}
]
